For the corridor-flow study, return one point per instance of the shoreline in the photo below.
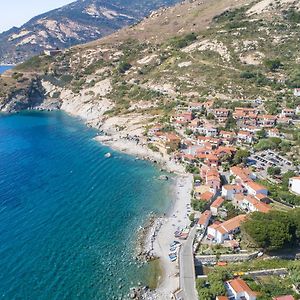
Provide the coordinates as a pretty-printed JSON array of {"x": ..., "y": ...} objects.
[{"x": 160, "y": 234}]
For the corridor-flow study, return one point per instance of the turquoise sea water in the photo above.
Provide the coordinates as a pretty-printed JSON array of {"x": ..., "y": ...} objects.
[
  {"x": 69, "y": 216},
  {"x": 4, "y": 68}
]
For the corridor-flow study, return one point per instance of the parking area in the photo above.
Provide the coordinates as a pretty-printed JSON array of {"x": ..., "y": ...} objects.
[{"x": 265, "y": 159}]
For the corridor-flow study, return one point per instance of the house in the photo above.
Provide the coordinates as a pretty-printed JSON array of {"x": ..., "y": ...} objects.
[
  {"x": 246, "y": 116},
  {"x": 208, "y": 130},
  {"x": 171, "y": 141},
  {"x": 223, "y": 151},
  {"x": 242, "y": 175},
  {"x": 184, "y": 118},
  {"x": 195, "y": 106},
  {"x": 273, "y": 132},
  {"x": 284, "y": 120},
  {"x": 213, "y": 180},
  {"x": 204, "y": 219},
  {"x": 294, "y": 185},
  {"x": 288, "y": 113},
  {"x": 225, "y": 230},
  {"x": 52, "y": 52},
  {"x": 211, "y": 160},
  {"x": 221, "y": 114},
  {"x": 206, "y": 196},
  {"x": 227, "y": 134},
  {"x": 287, "y": 297},
  {"x": 266, "y": 121},
  {"x": 222, "y": 298},
  {"x": 214, "y": 208},
  {"x": 238, "y": 289},
  {"x": 254, "y": 188},
  {"x": 201, "y": 140},
  {"x": 238, "y": 200},
  {"x": 250, "y": 204},
  {"x": 245, "y": 137},
  {"x": 229, "y": 190}
]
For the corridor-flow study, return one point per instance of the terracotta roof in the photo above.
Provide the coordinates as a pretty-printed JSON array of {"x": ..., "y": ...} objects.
[
  {"x": 230, "y": 187},
  {"x": 239, "y": 286},
  {"x": 222, "y": 298},
  {"x": 247, "y": 133},
  {"x": 172, "y": 137},
  {"x": 231, "y": 224},
  {"x": 204, "y": 218},
  {"x": 206, "y": 196},
  {"x": 218, "y": 202},
  {"x": 242, "y": 173},
  {"x": 256, "y": 186},
  {"x": 261, "y": 207}
]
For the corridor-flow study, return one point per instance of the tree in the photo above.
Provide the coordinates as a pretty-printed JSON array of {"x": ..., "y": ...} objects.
[
  {"x": 272, "y": 64},
  {"x": 210, "y": 116},
  {"x": 240, "y": 156},
  {"x": 192, "y": 217},
  {"x": 261, "y": 133},
  {"x": 272, "y": 171},
  {"x": 205, "y": 294},
  {"x": 274, "y": 230},
  {"x": 124, "y": 66}
]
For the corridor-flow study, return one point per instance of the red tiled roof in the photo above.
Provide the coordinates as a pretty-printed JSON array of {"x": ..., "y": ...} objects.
[
  {"x": 204, "y": 217},
  {"x": 256, "y": 186},
  {"x": 218, "y": 202},
  {"x": 239, "y": 286},
  {"x": 206, "y": 196}
]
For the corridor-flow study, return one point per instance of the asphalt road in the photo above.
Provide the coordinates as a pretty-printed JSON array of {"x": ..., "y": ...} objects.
[{"x": 187, "y": 268}]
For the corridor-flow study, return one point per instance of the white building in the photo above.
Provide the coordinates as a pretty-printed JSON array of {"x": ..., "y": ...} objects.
[
  {"x": 254, "y": 188},
  {"x": 238, "y": 289},
  {"x": 225, "y": 230},
  {"x": 229, "y": 190},
  {"x": 294, "y": 185}
]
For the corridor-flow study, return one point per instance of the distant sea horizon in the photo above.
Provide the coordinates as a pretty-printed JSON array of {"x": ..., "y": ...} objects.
[{"x": 69, "y": 216}]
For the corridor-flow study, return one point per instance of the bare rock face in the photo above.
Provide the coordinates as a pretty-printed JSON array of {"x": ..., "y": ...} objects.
[{"x": 76, "y": 23}]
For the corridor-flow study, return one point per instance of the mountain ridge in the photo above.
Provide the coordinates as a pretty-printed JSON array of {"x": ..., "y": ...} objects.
[
  {"x": 216, "y": 54},
  {"x": 75, "y": 23}
]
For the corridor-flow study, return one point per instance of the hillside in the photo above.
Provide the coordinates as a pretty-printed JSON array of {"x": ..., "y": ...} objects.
[
  {"x": 226, "y": 50},
  {"x": 76, "y": 23}
]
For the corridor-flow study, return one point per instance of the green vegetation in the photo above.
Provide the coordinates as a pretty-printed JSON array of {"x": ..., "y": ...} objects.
[
  {"x": 213, "y": 286},
  {"x": 273, "y": 64},
  {"x": 124, "y": 66},
  {"x": 273, "y": 171},
  {"x": 280, "y": 192},
  {"x": 199, "y": 205},
  {"x": 192, "y": 169},
  {"x": 275, "y": 230},
  {"x": 292, "y": 15},
  {"x": 273, "y": 143},
  {"x": 183, "y": 41},
  {"x": 35, "y": 63},
  {"x": 153, "y": 147},
  {"x": 271, "y": 286},
  {"x": 240, "y": 156}
]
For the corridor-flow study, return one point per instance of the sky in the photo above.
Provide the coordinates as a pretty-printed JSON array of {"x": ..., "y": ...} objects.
[{"x": 18, "y": 12}]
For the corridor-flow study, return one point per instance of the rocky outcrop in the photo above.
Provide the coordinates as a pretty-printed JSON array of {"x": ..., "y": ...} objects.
[{"x": 30, "y": 96}]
